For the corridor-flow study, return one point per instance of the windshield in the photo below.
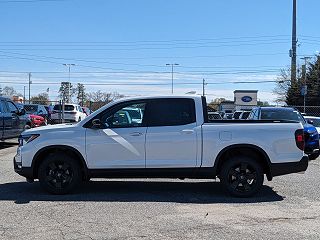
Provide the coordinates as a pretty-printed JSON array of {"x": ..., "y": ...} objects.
[{"x": 66, "y": 107}]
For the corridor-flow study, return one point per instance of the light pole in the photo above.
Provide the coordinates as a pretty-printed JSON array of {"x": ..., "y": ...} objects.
[
  {"x": 305, "y": 82},
  {"x": 172, "y": 64},
  {"x": 69, "y": 67},
  {"x": 29, "y": 77}
]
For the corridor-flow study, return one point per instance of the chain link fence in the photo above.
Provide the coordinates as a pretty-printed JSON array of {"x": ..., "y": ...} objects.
[{"x": 308, "y": 110}]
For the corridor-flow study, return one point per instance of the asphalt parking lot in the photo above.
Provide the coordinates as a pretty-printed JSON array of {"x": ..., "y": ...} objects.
[{"x": 287, "y": 208}]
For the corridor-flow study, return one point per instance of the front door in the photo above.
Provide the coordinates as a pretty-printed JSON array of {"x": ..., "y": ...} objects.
[{"x": 120, "y": 143}]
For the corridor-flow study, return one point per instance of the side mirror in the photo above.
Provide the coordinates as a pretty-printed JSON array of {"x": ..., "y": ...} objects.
[
  {"x": 22, "y": 112},
  {"x": 310, "y": 121},
  {"x": 97, "y": 124}
]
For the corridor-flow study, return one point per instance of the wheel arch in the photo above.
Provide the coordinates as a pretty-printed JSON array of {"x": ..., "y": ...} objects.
[
  {"x": 71, "y": 151},
  {"x": 249, "y": 150}
]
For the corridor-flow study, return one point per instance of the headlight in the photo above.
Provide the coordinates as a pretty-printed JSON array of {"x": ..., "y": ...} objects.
[{"x": 24, "y": 139}]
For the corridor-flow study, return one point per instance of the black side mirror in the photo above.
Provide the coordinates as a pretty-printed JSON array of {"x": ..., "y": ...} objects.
[
  {"x": 310, "y": 121},
  {"x": 97, "y": 124},
  {"x": 22, "y": 112}
]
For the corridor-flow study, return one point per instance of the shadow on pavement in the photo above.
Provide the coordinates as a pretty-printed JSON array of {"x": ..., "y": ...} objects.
[
  {"x": 135, "y": 191},
  {"x": 4, "y": 145}
]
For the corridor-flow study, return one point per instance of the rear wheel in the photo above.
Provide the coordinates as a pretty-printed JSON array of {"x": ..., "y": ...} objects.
[
  {"x": 59, "y": 174},
  {"x": 241, "y": 176}
]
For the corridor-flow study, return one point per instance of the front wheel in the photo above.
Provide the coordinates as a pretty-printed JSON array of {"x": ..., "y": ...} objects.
[
  {"x": 241, "y": 176},
  {"x": 59, "y": 174}
]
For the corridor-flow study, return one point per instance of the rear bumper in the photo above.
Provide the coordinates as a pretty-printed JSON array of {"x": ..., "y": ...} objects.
[{"x": 278, "y": 169}]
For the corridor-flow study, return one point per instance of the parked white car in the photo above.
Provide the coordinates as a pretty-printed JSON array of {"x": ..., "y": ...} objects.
[{"x": 72, "y": 113}]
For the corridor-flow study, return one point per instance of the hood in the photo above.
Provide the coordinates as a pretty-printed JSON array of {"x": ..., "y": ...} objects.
[
  {"x": 309, "y": 128},
  {"x": 57, "y": 127}
]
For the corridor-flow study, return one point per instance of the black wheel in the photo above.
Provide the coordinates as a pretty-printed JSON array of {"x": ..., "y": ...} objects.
[
  {"x": 241, "y": 176},
  {"x": 313, "y": 156},
  {"x": 59, "y": 174},
  {"x": 27, "y": 126}
]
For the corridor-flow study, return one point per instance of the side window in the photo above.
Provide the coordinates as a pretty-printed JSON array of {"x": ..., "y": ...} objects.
[
  {"x": 3, "y": 107},
  {"x": 171, "y": 112},
  {"x": 129, "y": 115},
  {"x": 12, "y": 107}
]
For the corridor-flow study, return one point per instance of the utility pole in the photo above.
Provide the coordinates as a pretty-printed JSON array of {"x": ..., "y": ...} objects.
[
  {"x": 69, "y": 66},
  {"x": 203, "y": 87},
  {"x": 293, "y": 51},
  {"x": 304, "y": 89},
  {"x": 29, "y": 82},
  {"x": 172, "y": 64},
  {"x": 24, "y": 94}
]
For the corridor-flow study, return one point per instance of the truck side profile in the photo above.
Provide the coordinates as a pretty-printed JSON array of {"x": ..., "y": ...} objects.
[{"x": 172, "y": 139}]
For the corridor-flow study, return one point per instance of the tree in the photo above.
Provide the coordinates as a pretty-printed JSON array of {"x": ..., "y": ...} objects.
[
  {"x": 265, "y": 103},
  {"x": 66, "y": 92},
  {"x": 290, "y": 92},
  {"x": 10, "y": 91},
  {"x": 100, "y": 96},
  {"x": 98, "y": 99},
  {"x": 81, "y": 94},
  {"x": 42, "y": 98}
]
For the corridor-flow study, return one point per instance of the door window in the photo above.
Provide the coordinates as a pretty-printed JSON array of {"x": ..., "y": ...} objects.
[
  {"x": 171, "y": 112},
  {"x": 127, "y": 116},
  {"x": 12, "y": 107}
]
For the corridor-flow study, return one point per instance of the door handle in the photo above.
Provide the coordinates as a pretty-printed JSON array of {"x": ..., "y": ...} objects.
[
  {"x": 187, "y": 131},
  {"x": 135, "y": 134}
]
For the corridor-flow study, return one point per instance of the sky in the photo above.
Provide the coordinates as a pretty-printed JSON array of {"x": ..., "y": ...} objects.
[{"x": 124, "y": 45}]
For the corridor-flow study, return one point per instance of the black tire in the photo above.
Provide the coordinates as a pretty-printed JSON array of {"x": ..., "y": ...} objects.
[
  {"x": 59, "y": 174},
  {"x": 27, "y": 126},
  {"x": 313, "y": 156},
  {"x": 241, "y": 176}
]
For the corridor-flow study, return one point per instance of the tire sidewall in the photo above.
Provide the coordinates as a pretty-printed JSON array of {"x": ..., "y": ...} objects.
[
  {"x": 234, "y": 161},
  {"x": 76, "y": 178}
]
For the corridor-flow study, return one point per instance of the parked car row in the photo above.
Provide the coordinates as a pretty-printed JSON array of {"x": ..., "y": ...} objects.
[{"x": 16, "y": 117}]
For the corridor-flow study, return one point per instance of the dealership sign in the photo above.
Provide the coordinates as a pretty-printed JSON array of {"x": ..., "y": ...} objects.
[{"x": 246, "y": 99}]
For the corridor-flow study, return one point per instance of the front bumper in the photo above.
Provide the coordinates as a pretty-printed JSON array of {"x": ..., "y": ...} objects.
[
  {"x": 278, "y": 169},
  {"x": 26, "y": 172}
]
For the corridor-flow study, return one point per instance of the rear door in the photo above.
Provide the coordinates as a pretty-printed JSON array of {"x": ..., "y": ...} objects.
[
  {"x": 2, "y": 114},
  {"x": 171, "y": 140},
  {"x": 17, "y": 125}
]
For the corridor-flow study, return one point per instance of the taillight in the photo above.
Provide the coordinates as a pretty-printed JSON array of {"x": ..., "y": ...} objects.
[{"x": 299, "y": 135}]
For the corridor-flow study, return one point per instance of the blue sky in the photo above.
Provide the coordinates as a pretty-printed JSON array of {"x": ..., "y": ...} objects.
[{"x": 129, "y": 42}]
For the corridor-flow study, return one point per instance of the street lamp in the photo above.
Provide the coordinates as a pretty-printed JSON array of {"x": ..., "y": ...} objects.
[
  {"x": 172, "y": 64},
  {"x": 69, "y": 67},
  {"x": 305, "y": 82}
]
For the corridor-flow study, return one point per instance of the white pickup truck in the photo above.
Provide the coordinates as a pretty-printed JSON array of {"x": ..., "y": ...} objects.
[{"x": 161, "y": 137}]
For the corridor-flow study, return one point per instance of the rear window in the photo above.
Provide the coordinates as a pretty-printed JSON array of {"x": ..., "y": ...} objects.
[
  {"x": 236, "y": 115},
  {"x": 66, "y": 107},
  {"x": 282, "y": 115},
  {"x": 31, "y": 108},
  {"x": 245, "y": 115},
  {"x": 171, "y": 112}
]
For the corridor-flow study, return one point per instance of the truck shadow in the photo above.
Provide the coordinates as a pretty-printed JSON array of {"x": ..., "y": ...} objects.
[
  {"x": 135, "y": 191},
  {"x": 4, "y": 145}
]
